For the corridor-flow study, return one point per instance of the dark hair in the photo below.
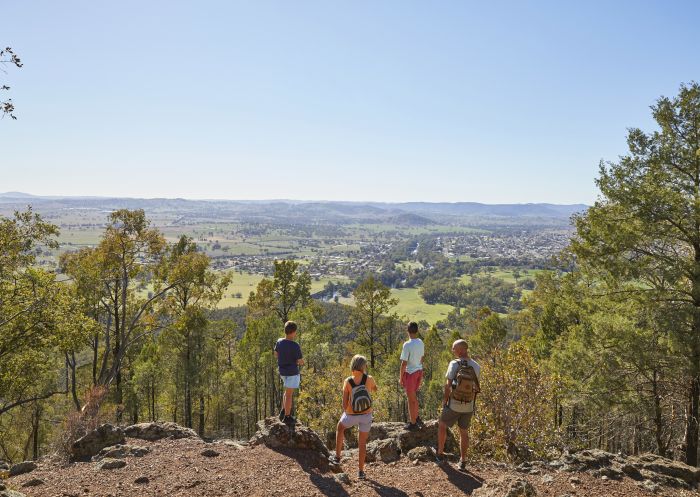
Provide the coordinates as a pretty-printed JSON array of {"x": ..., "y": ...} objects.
[
  {"x": 290, "y": 327},
  {"x": 413, "y": 327}
]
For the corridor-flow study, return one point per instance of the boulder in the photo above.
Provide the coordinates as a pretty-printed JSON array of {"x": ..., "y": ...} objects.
[
  {"x": 386, "y": 450},
  {"x": 158, "y": 431},
  {"x": 121, "y": 451},
  {"x": 91, "y": 444},
  {"x": 424, "y": 454},
  {"x": 506, "y": 486},
  {"x": 342, "y": 478},
  {"x": 111, "y": 464},
  {"x": 585, "y": 460},
  {"x": 22, "y": 467},
  {"x": 277, "y": 435},
  {"x": 34, "y": 482},
  {"x": 11, "y": 493},
  {"x": 655, "y": 468}
]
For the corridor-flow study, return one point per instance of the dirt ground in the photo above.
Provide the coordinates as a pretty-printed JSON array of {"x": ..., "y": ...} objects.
[{"x": 177, "y": 468}]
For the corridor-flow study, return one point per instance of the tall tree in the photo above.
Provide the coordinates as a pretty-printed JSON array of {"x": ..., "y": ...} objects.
[
  {"x": 642, "y": 237},
  {"x": 372, "y": 300},
  {"x": 289, "y": 289}
]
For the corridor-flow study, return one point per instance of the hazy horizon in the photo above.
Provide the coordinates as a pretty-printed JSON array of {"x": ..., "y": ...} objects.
[{"x": 8, "y": 194}]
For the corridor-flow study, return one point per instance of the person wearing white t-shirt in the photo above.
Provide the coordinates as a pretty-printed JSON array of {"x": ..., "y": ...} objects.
[
  {"x": 454, "y": 411},
  {"x": 412, "y": 373}
]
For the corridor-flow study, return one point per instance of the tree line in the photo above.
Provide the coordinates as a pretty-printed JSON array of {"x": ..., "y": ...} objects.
[{"x": 605, "y": 351}]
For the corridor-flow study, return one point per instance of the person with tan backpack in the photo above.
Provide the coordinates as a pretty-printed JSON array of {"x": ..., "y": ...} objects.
[{"x": 459, "y": 400}]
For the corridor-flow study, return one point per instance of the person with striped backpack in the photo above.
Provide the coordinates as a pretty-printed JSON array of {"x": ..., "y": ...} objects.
[{"x": 357, "y": 410}]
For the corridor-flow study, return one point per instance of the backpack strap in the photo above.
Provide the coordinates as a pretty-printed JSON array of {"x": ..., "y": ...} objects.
[
  {"x": 352, "y": 382},
  {"x": 364, "y": 379}
]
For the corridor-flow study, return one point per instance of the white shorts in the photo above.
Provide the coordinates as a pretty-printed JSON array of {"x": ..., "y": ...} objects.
[
  {"x": 291, "y": 381},
  {"x": 364, "y": 421}
]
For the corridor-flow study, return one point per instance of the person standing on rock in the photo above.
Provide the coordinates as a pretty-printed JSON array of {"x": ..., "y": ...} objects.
[
  {"x": 412, "y": 373},
  {"x": 357, "y": 410},
  {"x": 289, "y": 358},
  {"x": 459, "y": 400}
]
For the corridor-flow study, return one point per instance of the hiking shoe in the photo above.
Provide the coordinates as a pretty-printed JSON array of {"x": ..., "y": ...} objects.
[
  {"x": 334, "y": 459},
  {"x": 439, "y": 458},
  {"x": 290, "y": 421},
  {"x": 420, "y": 422},
  {"x": 361, "y": 475},
  {"x": 410, "y": 427},
  {"x": 462, "y": 466}
]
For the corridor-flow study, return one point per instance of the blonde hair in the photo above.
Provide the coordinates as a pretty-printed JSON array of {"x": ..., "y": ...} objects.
[
  {"x": 358, "y": 363},
  {"x": 461, "y": 344}
]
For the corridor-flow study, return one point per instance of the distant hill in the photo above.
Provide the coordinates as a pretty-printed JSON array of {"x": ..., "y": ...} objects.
[
  {"x": 506, "y": 210},
  {"x": 306, "y": 212}
]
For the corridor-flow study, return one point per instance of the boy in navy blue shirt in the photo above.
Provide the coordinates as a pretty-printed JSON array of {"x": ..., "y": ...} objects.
[{"x": 289, "y": 358}]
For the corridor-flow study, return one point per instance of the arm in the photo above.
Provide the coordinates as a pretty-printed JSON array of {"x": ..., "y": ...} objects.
[
  {"x": 447, "y": 391},
  {"x": 300, "y": 359},
  {"x": 346, "y": 397},
  {"x": 372, "y": 385},
  {"x": 403, "y": 370}
]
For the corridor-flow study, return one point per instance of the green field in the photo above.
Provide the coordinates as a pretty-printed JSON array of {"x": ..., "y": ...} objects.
[
  {"x": 413, "y": 307},
  {"x": 504, "y": 274}
]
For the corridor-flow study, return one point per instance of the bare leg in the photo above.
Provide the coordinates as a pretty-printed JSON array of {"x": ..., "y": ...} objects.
[
  {"x": 362, "y": 443},
  {"x": 412, "y": 406},
  {"x": 442, "y": 436},
  {"x": 463, "y": 443},
  {"x": 339, "y": 437},
  {"x": 288, "y": 396}
]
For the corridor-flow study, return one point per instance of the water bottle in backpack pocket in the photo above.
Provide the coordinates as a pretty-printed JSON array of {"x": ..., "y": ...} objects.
[{"x": 360, "y": 400}]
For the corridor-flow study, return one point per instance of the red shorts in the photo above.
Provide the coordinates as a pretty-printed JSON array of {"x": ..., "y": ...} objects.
[{"x": 411, "y": 381}]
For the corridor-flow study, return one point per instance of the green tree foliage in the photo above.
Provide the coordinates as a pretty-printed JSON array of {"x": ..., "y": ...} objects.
[
  {"x": 642, "y": 237},
  {"x": 372, "y": 300},
  {"x": 39, "y": 318}
]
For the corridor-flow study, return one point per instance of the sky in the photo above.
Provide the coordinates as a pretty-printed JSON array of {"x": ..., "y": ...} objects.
[{"x": 444, "y": 101}]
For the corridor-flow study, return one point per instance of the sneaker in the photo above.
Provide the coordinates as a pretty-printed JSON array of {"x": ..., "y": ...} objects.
[
  {"x": 462, "y": 466},
  {"x": 420, "y": 422},
  {"x": 410, "y": 427},
  {"x": 290, "y": 421},
  {"x": 334, "y": 459},
  {"x": 439, "y": 458},
  {"x": 361, "y": 475}
]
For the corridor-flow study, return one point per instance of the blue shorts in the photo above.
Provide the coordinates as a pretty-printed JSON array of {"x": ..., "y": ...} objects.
[
  {"x": 364, "y": 421},
  {"x": 291, "y": 381}
]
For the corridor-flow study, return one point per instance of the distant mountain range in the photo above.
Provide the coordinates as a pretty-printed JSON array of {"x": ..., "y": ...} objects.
[{"x": 299, "y": 211}]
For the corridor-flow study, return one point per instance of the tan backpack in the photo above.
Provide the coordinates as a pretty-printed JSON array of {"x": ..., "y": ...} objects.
[{"x": 465, "y": 386}]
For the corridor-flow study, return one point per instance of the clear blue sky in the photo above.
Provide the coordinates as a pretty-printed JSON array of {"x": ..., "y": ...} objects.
[{"x": 494, "y": 102}]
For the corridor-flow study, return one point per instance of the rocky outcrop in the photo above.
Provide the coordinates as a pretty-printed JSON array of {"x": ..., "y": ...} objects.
[
  {"x": 121, "y": 451},
  {"x": 276, "y": 435},
  {"x": 506, "y": 486},
  {"x": 158, "y": 431},
  {"x": 405, "y": 440},
  {"x": 649, "y": 470},
  {"x": 22, "y": 467},
  {"x": 385, "y": 450},
  {"x": 111, "y": 464},
  {"x": 91, "y": 444}
]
